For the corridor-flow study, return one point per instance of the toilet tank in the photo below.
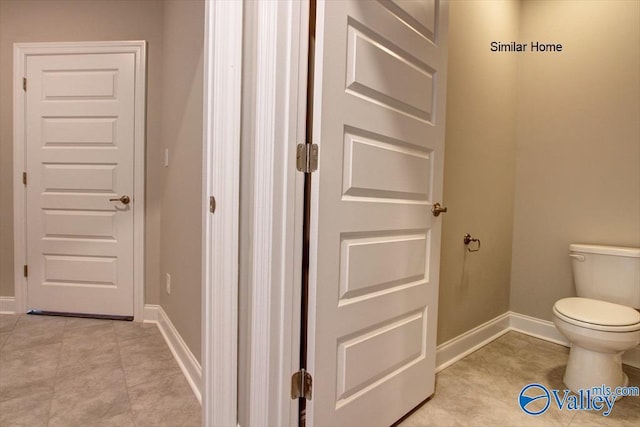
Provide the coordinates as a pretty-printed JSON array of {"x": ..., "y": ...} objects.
[{"x": 607, "y": 273}]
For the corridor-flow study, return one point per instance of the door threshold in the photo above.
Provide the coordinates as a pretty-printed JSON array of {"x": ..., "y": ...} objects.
[{"x": 84, "y": 315}]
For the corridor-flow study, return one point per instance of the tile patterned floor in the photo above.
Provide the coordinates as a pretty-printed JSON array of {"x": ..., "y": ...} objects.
[
  {"x": 83, "y": 372},
  {"x": 482, "y": 389},
  {"x": 68, "y": 372}
]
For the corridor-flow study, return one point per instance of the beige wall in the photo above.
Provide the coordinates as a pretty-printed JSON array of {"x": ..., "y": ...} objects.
[
  {"x": 479, "y": 166},
  {"x": 81, "y": 20},
  {"x": 181, "y": 224},
  {"x": 578, "y": 152},
  {"x": 541, "y": 150}
]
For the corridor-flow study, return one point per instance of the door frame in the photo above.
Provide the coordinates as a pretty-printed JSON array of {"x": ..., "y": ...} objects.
[
  {"x": 21, "y": 51},
  {"x": 223, "y": 35},
  {"x": 274, "y": 106},
  {"x": 274, "y": 98}
]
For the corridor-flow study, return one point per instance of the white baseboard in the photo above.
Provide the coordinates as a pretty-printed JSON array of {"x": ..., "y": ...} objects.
[
  {"x": 537, "y": 328},
  {"x": 7, "y": 305},
  {"x": 547, "y": 331},
  {"x": 186, "y": 360},
  {"x": 151, "y": 313},
  {"x": 455, "y": 349}
]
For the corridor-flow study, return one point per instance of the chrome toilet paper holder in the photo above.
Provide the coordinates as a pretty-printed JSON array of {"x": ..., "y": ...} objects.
[{"x": 468, "y": 240}]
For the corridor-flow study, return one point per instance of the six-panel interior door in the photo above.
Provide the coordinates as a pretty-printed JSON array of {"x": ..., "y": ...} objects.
[
  {"x": 80, "y": 154},
  {"x": 379, "y": 104}
]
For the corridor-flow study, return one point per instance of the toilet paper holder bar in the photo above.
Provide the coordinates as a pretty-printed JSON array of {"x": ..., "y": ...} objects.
[{"x": 468, "y": 240}]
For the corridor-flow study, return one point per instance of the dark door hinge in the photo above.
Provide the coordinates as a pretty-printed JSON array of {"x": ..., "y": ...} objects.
[
  {"x": 24, "y": 84},
  {"x": 24, "y": 178},
  {"x": 26, "y": 271}
]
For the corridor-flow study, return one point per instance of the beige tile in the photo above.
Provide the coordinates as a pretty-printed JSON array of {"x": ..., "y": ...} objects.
[
  {"x": 71, "y": 369},
  {"x": 7, "y": 322},
  {"x": 28, "y": 371},
  {"x": 31, "y": 410},
  {"x": 625, "y": 413},
  {"x": 89, "y": 335},
  {"x": 4, "y": 336},
  {"x": 82, "y": 360},
  {"x": 89, "y": 347},
  {"x": 141, "y": 349},
  {"x": 167, "y": 401},
  {"x": 132, "y": 330},
  {"x": 33, "y": 330},
  {"x": 147, "y": 358},
  {"x": 482, "y": 389},
  {"x": 81, "y": 322},
  {"x": 80, "y": 400},
  {"x": 633, "y": 374}
]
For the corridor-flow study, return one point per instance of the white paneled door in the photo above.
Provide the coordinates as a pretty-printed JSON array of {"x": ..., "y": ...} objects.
[
  {"x": 379, "y": 104},
  {"x": 79, "y": 139}
]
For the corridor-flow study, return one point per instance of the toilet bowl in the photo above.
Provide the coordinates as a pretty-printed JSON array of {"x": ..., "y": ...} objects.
[
  {"x": 599, "y": 333},
  {"x": 602, "y": 321}
]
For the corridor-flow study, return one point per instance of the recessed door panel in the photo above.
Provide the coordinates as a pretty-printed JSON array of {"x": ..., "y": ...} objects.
[
  {"x": 74, "y": 84},
  {"x": 79, "y": 131},
  {"x": 87, "y": 178},
  {"x": 371, "y": 265},
  {"x": 80, "y": 270},
  {"x": 384, "y": 171},
  {"x": 403, "y": 341},
  {"x": 372, "y": 68},
  {"x": 79, "y": 224}
]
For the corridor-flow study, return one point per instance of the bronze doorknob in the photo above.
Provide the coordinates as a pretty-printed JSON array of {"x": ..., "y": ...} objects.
[
  {"x": 124, "y": 200},
  {"x": 437, "y": 209}
]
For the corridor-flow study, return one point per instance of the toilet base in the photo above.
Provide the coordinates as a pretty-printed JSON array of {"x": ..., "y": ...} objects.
[{"x": 587, "y": 369}]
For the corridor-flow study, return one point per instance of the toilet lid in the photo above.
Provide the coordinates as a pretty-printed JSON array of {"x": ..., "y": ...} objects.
[{"x": 597, "y": 312}]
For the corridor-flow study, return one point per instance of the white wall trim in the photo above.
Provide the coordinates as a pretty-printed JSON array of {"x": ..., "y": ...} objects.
[
  {"x": 7, "y": 305},
  {"x": 277, "y": 125},
  {"x": 547, "y": 331},
  {"x": 537, "y": 328},
  {"x": 151, "y": 313},
  {"x": 262, "y": 144},
  {"x": 464, "y": 344},
  {"x": 221, "y": 171},
  {"x": 20, "y": 53},
  {"x": 185, "y": 359}
]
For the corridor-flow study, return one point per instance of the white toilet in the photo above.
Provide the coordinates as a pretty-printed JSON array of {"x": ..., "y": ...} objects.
[{"x": 602, "y": 321}]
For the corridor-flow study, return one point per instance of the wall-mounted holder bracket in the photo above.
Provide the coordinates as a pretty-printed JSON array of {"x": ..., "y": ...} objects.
[{"x": 468, "y": 240}]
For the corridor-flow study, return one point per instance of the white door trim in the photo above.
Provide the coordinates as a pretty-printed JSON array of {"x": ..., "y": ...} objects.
[
  {"x": 277, "y": 98},
  {"x": 20, "y": 53},
  {"x": 221, "y": 175}
]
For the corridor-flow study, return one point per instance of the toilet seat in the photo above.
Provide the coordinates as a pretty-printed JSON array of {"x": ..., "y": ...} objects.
[{"x": 597, "y": 315}]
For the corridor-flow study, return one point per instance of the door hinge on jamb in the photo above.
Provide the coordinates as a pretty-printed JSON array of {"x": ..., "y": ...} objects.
[
  {"x": 307, "y": 157},
  {"x": 24, "y": 178},
  {"x": 301, "y": 385},
  {"x": 24, "y": 84},
  {"x": 212, "y": 204},
  {"x": 26, "y": 271}
]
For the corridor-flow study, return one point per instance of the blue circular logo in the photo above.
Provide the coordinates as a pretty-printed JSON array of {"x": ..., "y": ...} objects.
[{"x": 533, "y": 397}]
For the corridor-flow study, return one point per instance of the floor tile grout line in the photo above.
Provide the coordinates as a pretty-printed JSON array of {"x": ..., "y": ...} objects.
[
  {"x": 55, "y": 377},
  {"x": 126, "y": 384}
]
